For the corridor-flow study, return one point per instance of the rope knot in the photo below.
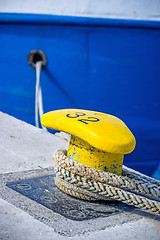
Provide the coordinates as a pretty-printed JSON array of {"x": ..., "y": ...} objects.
[{"x": 86, "y": 183}]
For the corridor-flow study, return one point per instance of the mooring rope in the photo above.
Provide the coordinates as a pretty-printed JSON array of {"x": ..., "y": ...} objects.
[
  {"x": 38, "y": 96},
  {"x": 132, "y": 188}
]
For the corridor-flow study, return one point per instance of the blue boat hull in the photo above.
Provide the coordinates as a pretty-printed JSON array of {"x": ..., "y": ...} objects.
[{"x": 112, "y": 66}]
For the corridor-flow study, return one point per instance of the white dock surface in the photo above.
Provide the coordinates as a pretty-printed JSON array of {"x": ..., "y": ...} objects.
[{"x": 25, "y": 149}]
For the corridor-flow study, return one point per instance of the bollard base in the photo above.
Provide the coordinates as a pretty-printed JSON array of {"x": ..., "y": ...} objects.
[{"x": 44, "y": 191}]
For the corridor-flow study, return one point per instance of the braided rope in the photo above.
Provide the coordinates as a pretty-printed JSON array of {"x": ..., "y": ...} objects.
[{"x": 90, "y": 184}]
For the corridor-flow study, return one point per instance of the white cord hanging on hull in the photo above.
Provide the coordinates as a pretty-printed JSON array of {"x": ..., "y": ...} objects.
[
  {"x": 38, "y": 96},
  {"x": 37, "y": 59}
]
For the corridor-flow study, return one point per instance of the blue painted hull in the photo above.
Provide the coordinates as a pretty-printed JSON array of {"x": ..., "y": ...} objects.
[{"x": 112, "y": 66}]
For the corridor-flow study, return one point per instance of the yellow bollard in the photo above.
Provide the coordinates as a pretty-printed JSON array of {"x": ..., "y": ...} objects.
[
  {"x": 82, "y": 152},
  {"x": 98, "y": 140}
]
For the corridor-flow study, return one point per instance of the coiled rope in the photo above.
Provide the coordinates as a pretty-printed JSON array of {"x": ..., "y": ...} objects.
[{"x": 132, "y": 188}]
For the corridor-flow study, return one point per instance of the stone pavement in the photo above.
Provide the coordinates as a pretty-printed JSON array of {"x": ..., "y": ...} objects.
[{"x": 26, "y": 153}]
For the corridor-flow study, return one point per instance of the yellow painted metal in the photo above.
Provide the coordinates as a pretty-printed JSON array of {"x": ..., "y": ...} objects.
[
  {"x": 84, "y": 153},
  {"x": 98, "y": 140},
  {"x": 102, "y": 131}
]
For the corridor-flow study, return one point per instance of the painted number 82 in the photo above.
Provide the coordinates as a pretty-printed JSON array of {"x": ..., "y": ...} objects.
[{"x": 85, "y": 120}]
